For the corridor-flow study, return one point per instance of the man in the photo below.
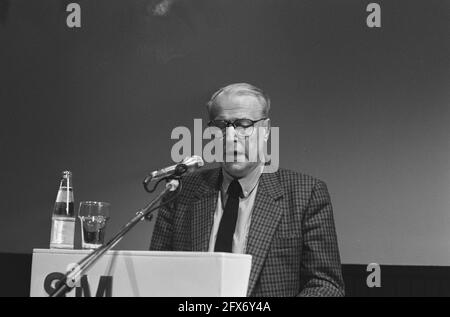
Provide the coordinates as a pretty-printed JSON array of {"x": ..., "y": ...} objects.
[{"x": 283, "y": 219}]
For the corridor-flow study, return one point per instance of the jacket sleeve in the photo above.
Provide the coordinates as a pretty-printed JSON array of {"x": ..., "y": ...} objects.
[
  {"x": 162, "y": 235},
  {"x": 321, "y": 273}
]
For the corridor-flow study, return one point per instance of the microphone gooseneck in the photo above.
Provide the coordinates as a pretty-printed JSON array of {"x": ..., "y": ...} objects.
[{"x": 187, "y": 165}]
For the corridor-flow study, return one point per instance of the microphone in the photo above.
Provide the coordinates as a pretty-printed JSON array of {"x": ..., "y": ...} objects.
[{"x": 187, "y": 165}]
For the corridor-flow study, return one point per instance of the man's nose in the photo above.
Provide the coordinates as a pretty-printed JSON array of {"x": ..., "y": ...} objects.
[{"x": 231, "y": 133}]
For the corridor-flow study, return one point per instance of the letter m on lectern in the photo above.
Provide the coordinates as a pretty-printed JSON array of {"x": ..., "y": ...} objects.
[{"x": 104, "y": 287}]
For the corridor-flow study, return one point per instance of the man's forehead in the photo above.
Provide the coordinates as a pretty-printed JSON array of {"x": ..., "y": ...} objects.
[{"x": 236, "y": 104}]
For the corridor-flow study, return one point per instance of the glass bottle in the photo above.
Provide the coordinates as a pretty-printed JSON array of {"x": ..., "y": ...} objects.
[{"x": 63, "y": 218}]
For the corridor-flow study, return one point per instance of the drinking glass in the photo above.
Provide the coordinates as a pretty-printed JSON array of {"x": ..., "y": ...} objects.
[{"x": 93, "y": 216}]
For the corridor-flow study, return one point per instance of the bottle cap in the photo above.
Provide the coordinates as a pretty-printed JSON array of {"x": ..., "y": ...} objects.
[{"x": 66, "y": 174}]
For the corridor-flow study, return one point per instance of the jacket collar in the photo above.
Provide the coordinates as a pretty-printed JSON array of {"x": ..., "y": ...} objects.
[{"x": 248, "y": 183}]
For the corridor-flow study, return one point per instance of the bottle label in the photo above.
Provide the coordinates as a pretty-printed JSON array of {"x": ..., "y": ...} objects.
[{"x": 63, "y": 232}]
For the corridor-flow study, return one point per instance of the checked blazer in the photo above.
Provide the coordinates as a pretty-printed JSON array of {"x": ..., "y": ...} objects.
[{"x": 292, "y": 237}]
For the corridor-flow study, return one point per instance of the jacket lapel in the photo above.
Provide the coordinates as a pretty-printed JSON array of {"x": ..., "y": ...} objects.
[
  {"x": 266, "y": 215},
  {"x": 203, "y": 208}
]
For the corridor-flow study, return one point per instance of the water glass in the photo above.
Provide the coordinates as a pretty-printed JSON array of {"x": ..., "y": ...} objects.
[{"x": 93, "y": 216}]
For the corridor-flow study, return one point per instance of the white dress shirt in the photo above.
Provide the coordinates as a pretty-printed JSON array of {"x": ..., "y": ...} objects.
[{"x": 249, "y": 186}]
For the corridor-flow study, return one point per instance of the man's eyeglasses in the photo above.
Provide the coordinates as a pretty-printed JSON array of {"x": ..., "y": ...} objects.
[{"x": 243, "y": 127}]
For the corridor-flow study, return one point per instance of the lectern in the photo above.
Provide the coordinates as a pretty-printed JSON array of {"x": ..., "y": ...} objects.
[{"x": 145, "y": 273}]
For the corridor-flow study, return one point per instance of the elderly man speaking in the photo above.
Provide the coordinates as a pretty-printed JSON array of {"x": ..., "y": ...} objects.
[{"x": 284, "y": 219}]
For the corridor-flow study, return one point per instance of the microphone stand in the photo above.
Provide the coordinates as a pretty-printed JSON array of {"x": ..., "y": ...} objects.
[{"x": 70, "y": 279}]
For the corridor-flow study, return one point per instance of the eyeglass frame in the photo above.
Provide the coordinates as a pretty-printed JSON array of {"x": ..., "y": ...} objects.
[{"x": 233, "y": 124}]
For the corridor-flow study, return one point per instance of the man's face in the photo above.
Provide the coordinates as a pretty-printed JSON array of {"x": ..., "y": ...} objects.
[{"x": 239, "y": 152}]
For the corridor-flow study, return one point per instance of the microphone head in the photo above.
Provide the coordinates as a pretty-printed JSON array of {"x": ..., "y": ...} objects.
[
  {"x": 194, "y": 160},
  {"x": 188, "y": 164}
]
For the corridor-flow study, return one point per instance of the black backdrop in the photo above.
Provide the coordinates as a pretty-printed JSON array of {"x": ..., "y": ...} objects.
[{"x": 364, "y": 109}]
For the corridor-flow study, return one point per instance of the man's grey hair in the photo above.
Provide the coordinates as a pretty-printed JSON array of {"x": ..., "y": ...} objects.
[{"x": 241, "y": 89}]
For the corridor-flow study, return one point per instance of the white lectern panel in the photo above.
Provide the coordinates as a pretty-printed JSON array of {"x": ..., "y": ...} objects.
[{"x": 146, "y": 273}]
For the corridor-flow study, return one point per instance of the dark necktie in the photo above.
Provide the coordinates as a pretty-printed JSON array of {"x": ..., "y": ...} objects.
[{"x": 224, "y": 240}]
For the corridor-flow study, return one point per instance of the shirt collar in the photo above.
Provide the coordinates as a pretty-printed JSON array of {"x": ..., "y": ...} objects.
[{"x": 248, "y": 182}]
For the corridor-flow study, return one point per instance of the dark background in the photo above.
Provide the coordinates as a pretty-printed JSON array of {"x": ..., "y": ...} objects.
[{"x": 366, "y": 110}]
